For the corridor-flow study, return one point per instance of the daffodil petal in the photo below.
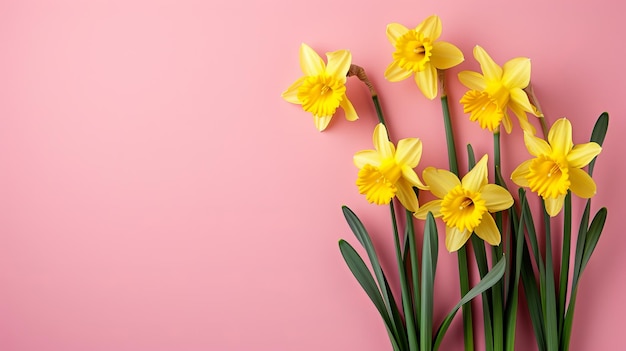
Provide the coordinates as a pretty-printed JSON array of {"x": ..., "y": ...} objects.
[
  {"x": 291, "y": 94},
  {"x": 536, "y": 146},
  {"x": 395, "y": 73},
  {"x": 395, "y": 31},
  {"x": 338, "y": 63},
  {"x": 321, "y": 122},
  {"x": 516, "y": 73},
  {"x": 582, "y": 154},
  {"x": 409, "y": 174},
  {"x": 554, "y": 205},
  {"x": 381, "y": 141},
  {"x": 520, "y": 98},
  {"x": 506, "y": 122},
  {"x": 427, "y": 81},
  {"x": 475, "y": 179},
  {"x": 455, "y": 239},
  {"x": 406, "y": 195},
  {"x": 445, "y": 55},
  {"x": 366, "y": 157},
  {"x": 520, "y": 174},
  {"x": 560, "y": 137},
  {"x": 409, "y": 151},
  {"x": 433, "y": 207},
  {"x": 490, "y": 69},
  {"x": 496, "y": 197},
  {"x": 349, "y": 110},
  {"x": 430, "y": 27},
  {"x": 581, "y": 183},
  {"x": 440, "y": 181},
  {"x": 488, "y": 230},
  {"x": 310, "y": 62},
  {"x": 473, "y": 80}
]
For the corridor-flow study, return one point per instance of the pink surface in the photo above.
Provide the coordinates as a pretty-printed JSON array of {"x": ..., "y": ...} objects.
[{"x": 156, "y": 193}]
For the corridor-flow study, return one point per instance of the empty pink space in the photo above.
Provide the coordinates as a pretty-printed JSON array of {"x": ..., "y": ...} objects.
[{"x": 157, "y": 193}]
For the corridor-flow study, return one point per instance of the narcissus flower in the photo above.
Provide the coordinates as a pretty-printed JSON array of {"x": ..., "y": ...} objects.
[
  {"x": 418, "y": 52},
  {"x": 465, "y": 205},
  {"x": 322, "y": 89},
  {"x": 556, "y": 167},
  {"x": 496, "y": 91},
  {"x": 387, "y": 172}
]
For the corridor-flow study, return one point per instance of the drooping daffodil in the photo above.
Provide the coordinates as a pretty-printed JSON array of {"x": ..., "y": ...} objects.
[
  {"x": 465, "y": 205},
  {"x": 387, "y": 172},
  {"x": 556, "y": 166},
  {"x": 322, "y": 89},
  {"x": 497, "y": 90},
  {"x": 418, "y": 52}
]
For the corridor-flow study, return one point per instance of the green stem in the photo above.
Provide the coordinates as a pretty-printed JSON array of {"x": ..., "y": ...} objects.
[
  {"x": 468, "y": 329},
  {"x": 550, "y": 309},
  {"x": 406, "y": 296},
  {"x": 379, "y": 110},
  {"x": 414, "y": 267},
  {"x": 498, "y": 289},
  {"x": 565, "y": 256}
]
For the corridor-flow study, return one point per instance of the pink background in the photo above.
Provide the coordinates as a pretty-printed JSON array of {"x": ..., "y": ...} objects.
[{"x": 156, "y": 193}]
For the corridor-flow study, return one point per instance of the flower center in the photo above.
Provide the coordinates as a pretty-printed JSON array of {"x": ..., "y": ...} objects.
[
  {"x": 378, "y": 183},
  {"x": 548, "y": 177},
  {"x": 482, "y": 108},
  {"x": 413, "y": 51},
  {"x": 463, "y": 209},
  {"x": 321, "y": 95}
]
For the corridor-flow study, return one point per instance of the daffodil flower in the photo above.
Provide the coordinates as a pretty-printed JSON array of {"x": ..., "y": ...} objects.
[
  {"x": 418, "y": 52},
  {"x": 385, "y": 172},
  {"x": 556, "y": 167},
  {"x": 496, "y": 91},
  {"x": 322, "y": 89},
  {"x": 465, "y": 205}
]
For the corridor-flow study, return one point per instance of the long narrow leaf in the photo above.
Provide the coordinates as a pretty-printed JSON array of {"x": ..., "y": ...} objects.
[
  {"x": 429, "y": 266},
  {"x": 494, "y": 276},
  {"x": 565, "y": 255},
  {"x": 364, "y": 277},
  {"x": 598, "y": 135},
  {"x": 549, "y": 298},
  {"x": 593, "y": 235}
]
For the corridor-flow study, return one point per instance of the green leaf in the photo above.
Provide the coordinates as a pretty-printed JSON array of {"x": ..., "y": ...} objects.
[
  {"x": 429, "y": 266},
  {"x": 363, "y": 276},
  {"x": 598, "y": 135},
  {"x": 493, "y": 277},
  {"x": 593, "y": 235},
  {"x": 548, "y": 292}
]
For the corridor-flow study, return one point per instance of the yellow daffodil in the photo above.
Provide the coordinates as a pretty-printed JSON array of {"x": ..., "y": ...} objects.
[
  {"x": 496, "y": 91},
  {"x": 386, "y": 172},
  {"x": 322, "y": 89},
  {"x": 556, "y": 167},
  {"x": 419, "y": 52},
  {"x": 465, "y": 205}
]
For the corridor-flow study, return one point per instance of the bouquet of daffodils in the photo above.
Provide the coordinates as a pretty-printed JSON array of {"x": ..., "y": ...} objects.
[{"x": 475, "y": 211}]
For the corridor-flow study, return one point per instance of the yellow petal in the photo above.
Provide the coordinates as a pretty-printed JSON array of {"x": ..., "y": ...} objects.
[
  {"x": 395, "y": 73},
  {"x": 366, "y": 157},
  {"x": 406, "y": 195},
  {"x": 475, "y": 179},
  {"x": 291, "y": 94},
  {"x": 381, "y": 141},
  {"x": 321, "y": 122},
  {"x": 519, "y": 98},
  {"x": 409, "y": 152},
  {"x": 560, "y": 137},
  {"x": 488, "y": 230},
  {"x": 516, "y": 73},
  {"x": 581, "y": 183},
  {"x": 409, "y": 174},
  {"x": 473, "y": 80},
  {"x": 536, "y": 146},
  {"x": 440, "y": 181},
  {"x": 582, "y": 154},
  {"x": 445, "y": 55},
  {"x": 520, "y": 173},
  {"x": 496, "y": 197},
  {"x": 430, "y": 27},
  {"x": 349, "y": 110},
  {"x": 455, "y": 239},
  {"x": 433, "y": 207},
  {"x": 395, "y": 31},
  {"x": 554, "y": 206},
  {"x": 338, "y": 63},
  {"x": 490, "y": 69},
  {"x": 427, "y": 81},
  {"x": 506, "y": 122},
  {"x": 310, "y": 62}
]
